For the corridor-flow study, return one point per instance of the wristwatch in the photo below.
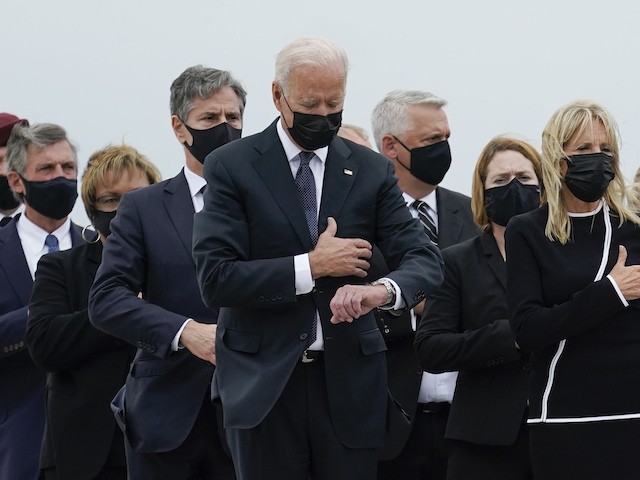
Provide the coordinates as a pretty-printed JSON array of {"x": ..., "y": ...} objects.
[{"x": 391, "y": 293}]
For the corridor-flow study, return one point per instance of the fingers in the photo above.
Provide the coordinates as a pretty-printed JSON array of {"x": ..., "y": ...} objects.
[
  {"x": 622, "y": 256},
  {"x": 346, "y": 304}
]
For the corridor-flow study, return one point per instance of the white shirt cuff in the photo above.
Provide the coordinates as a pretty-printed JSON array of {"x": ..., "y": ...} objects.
[
  {"x": 175, "y": 343},
  {"x": 303, "y": 280}
]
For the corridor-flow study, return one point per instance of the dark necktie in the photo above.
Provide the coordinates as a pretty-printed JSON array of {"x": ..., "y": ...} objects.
[
  {"x": 306, "y": 185},
  {"x": 307, "y": 191},
  {"x": 430, "y": 227},
  {"x": 4, "y": 221},
  {"x": 51, "y": 242}
]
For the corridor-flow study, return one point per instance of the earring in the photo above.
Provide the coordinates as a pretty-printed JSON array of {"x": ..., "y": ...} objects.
[{"x": 85, "y": 229}]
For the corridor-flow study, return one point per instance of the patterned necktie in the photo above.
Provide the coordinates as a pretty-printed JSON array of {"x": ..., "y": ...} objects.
[
  {"x": 307, "y": 191},
  {"x": 426, "y": 220},
  {"x": 306, "y": 185},
  {"x": 51, "y": 242}
]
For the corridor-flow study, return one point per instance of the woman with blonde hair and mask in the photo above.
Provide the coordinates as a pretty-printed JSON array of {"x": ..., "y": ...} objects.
[
  {"x": 573, "y": 290},
  {"x": 85, "y": 367}
]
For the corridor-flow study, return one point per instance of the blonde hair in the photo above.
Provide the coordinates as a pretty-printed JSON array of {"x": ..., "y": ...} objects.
[
  {"x": 115, "y": 160},
  {"x": 569, "y": 120},
  {"x": 497, "y": 144}
]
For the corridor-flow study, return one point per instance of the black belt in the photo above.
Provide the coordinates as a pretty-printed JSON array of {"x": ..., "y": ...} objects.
[
  {"x": 434, "y": 407},
  {"x": 310, "y": 356}
]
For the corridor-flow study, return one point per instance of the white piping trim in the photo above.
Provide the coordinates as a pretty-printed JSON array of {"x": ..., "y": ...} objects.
[
  {"x": 599, "y": 418},
  {"x": 556, "y": 358}
]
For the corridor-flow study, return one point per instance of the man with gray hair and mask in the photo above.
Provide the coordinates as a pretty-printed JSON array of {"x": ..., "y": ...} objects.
[
  {"x": 42, "y": 170},
  {"x": 282, "y": 248},
  {"x": 173, "y": 431},
  {"x": 411, "y": 129}
]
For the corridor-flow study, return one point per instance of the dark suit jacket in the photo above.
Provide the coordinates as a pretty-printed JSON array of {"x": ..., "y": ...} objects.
[
  {"x": 21, "y": 382},
  {"x": 244, "y": 242},
  {"x": 149, "y": 251},
  {"x": 455, "y": 224},
  {"x": 465, "y": 327},
  {"x": 85, "y": 366}
]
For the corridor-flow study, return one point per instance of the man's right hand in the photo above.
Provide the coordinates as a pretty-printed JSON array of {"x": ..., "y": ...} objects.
[
  {"x": 200, "y": 340},
  {"x": 339, "y": 257}
]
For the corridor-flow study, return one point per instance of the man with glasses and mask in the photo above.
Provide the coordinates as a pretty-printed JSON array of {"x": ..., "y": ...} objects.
[
  {"x": 411, "y": 129},
  {"x": 42, "y": 170},
  {"x": 146, "y": 293},
  {"x": 282, "y": 248}
]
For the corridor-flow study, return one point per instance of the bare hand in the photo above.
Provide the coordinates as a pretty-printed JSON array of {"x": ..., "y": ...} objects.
[
  {"x": 339, "y": 257},
  {"x": 353, "y": 301},
  {"x": 626, "y": 277},
  {"x": 200, "y": 340}
]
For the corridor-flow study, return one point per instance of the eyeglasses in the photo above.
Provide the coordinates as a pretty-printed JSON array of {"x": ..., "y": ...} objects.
[{"x": 108, "y": 203}]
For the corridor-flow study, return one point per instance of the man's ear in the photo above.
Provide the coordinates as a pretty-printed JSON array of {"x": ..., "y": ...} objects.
[
  {"x": 389, "y": 146},
  {"x": 178, "y": 129},
  {"x": 276, "y": 94},
  {"x": 15, "y": 182}
]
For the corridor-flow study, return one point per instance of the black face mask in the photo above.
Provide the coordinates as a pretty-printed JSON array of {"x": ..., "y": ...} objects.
[
  {"x": 7, "y": 200},
  {"x": 206, "y": 141},
  {"x": 312, "y": 132},
  {"x": 506, "y": 201},
  {"x": 429, "y": 164},
  {"x": 102, "y": 220},
  {"x": 588, "y": 175},
  {"x": 52, "y": 198}
]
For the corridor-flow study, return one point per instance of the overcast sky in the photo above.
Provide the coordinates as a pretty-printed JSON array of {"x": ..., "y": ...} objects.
[{"x": 102, "y": 69}]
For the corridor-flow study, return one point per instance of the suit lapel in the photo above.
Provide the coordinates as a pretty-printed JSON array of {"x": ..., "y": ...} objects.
[
  {"x": 275, "y": 172},
  {"x": 449, "y": 223},
  {"x": 340, "y": 172},
  {"x": 497, "y": 265},
  {"x": 14, "y": 263},
  {"x": 179, "y": 206}
]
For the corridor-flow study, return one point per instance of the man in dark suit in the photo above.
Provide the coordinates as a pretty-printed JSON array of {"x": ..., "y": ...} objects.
[
  {"x": 42, "y": 170},
  {"x": 411, "y": 129},
  {"x": 282, "y": 247},
  {"x": 9, "y": 204},
  {"x": 170, "y": 421}
]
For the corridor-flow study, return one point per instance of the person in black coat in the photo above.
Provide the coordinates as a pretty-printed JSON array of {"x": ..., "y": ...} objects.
[
  {"x": 85, "y": 367},
  {"x": 465, "y": 326},
  {"x": 574, "y": 296}
]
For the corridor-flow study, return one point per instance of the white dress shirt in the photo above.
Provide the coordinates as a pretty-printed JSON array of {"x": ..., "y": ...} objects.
[{"x": 32, "y": 238}]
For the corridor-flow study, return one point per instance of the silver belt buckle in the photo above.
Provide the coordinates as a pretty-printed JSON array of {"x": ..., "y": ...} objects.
[{"x": 305, "y": 358}]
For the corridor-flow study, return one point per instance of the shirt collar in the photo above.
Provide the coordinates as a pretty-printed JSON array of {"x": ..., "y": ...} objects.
[
  {"x": 195, "y": 182},
  {"x": 292, "y": 150},
  {"x": 430, "y": 200},
  {"x": 33, "y": 236}
]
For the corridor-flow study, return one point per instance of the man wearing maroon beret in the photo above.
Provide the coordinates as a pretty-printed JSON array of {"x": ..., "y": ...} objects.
[{"x": 9, "y": 204}]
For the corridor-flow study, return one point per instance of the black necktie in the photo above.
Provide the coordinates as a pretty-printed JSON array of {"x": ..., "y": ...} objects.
[
  {"x": 306, "y": 185},
  {"x": 4, "y": 221},
  {"x": 51, "y": 242},
  {"x": 430, "y": 227}
]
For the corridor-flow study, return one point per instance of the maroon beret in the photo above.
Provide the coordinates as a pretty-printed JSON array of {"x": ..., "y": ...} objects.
[{"x": 7, "y": 121}]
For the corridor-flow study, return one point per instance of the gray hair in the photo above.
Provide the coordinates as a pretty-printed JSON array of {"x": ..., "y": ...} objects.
[
  {"x": 39, "y": 135},
  {"x": 314, "y": 51},
  {"x": 201, "y": 82},
  {"x": 391, "y": 114}
]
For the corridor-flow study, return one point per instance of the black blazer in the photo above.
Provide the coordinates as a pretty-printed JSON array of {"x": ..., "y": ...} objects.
[
  {"x": 465, "y": 327},
  {"x": 86, "y": 367},
  {"x": 149, "y": 251},
  {"x": 244, "y": 242},
  {"x": 21, "y": 382},
  {"x": 455, "y": 224}
]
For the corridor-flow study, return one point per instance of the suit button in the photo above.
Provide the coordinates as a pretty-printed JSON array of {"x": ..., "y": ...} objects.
[
  {"x": 303, "y": 336},
  {"x": 261, "y": 299}
]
